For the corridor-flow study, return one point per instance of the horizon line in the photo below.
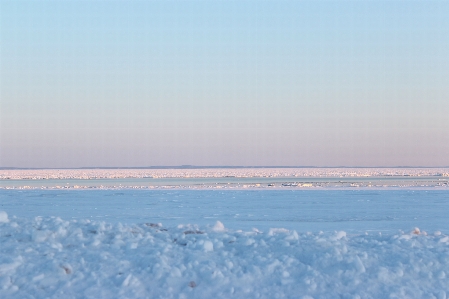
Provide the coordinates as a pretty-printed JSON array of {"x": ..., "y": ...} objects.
[{"x": 206, "y": 167}]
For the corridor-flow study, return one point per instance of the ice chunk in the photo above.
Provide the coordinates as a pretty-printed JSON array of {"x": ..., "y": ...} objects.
[
  {"x": 40, "y": 235},
  {"x": 274, "y": 231},
  {"x": 359, "y": 265},
  {"x": 218, "y": 227},
  {"x": 339, "y": 235},
  {"x": 208, "y": 246},
  {"x": 3, "y": 217}
]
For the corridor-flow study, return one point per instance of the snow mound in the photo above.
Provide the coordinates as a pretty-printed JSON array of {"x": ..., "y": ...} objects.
[{"x": 53, "y": 258}]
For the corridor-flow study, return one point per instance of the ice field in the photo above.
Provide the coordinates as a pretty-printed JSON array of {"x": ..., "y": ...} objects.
[
  {"x": 301, "y": 210},
  {"x": 224, "y": 244}
]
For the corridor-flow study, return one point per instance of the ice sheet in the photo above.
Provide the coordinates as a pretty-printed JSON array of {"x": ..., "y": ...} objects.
[{"x": 302, "y": 210}]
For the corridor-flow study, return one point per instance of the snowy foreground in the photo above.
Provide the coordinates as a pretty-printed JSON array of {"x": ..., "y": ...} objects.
[
  {"x": 53, "y": 258},
  {"x": 232, "y": 244}
]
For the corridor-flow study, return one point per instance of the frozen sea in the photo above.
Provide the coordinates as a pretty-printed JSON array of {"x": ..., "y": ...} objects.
[
  {"x": 124, "y": 243},
  {"x": 302, "y": 210}
]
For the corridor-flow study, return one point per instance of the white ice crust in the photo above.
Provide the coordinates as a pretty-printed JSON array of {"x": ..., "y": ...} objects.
[{"x": 37, "y": 174}]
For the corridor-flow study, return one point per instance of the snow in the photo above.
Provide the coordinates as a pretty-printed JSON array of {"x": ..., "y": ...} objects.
[
  {"x": 48, "y": 257},
  {"x": 224, "y": 244}
]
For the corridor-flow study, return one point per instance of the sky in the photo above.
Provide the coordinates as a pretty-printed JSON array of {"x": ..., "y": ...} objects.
[{"x": 248, "y": 83}]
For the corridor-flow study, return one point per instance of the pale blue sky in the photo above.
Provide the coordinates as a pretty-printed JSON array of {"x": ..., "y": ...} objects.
[{"x": 147, "y": 83}]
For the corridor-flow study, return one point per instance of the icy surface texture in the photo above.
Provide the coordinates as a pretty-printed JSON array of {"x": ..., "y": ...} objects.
[{"x": 54, "y": 258}]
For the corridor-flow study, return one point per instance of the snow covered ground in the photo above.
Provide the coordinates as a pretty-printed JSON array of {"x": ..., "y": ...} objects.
[{"x": 224, "y": 244}]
